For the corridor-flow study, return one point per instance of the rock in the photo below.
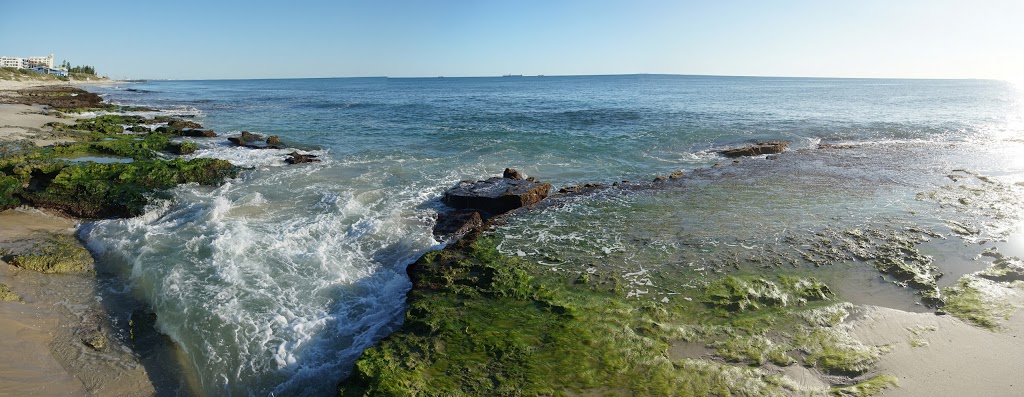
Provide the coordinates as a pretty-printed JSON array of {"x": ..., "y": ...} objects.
[
  {"x": 139, "y": 128},
  {"x": 511, "y": 173},
  {"x": 769, "y": 147},
  {"x": 273, "y": 140},
  {"x": 245, "y": 139},
  {"x": 457, "y": 223},
  {"x": 191, "y": 132},
  {"x": 496, "y": 195},
  {"x": 676, "y": 175},
  {"x": 183, "y": 124},
  {"x": 299, "y": 158}
]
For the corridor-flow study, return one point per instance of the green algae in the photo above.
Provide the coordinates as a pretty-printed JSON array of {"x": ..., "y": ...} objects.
[
  {"x": 480, "y": 323},
  {"x": 59, "y": 254},
  {"x": 870, "y": 387},
  {"x": 755, "y": 349},
  {"x": 6, "y": 295},
  {"x": 736, "y": 294},
  {"x": 976, "y": 301}
]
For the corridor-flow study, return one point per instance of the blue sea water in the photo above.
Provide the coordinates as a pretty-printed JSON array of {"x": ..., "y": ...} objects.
[{"x": 275, "y": 282}]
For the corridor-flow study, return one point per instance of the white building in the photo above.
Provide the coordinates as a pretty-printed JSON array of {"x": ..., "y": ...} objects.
[
  {"x": 44, "y": 62},
  {"x": 11, "y": 62},
  {"x": 25, "y": 63}
]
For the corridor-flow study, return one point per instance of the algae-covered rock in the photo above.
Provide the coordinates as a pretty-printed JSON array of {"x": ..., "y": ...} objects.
[
  {"x": 59, "y": 254},
  {"x": 870, "y": 387},
  {"x": 769, "y": 147},
  {"x": 7, "y": 295}
]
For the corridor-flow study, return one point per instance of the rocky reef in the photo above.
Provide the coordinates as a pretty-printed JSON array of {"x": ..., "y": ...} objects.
[{"x": 73, "y": 178}]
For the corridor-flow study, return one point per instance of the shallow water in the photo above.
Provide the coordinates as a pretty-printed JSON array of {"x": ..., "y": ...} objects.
[{"x": 275, "y": 282}]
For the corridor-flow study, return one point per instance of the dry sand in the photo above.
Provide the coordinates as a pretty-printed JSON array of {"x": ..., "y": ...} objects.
[{"x": 26, "y": 121}]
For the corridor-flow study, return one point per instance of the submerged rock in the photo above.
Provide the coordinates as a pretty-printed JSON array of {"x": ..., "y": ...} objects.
[
  {"x": 496, "y": 195},
  {"x": 768, "y": 147},
  {"x": 299, "y": 158}
]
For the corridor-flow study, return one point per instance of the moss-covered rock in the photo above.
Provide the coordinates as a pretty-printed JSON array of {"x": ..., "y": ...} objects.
[
  {"x": 58, "y": 254},
  {"x": 41, "y": 178},
  {"x": 6, "y": 295}
]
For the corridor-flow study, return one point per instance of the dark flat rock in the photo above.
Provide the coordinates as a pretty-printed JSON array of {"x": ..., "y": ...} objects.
[{"x": 496, "y": 195}]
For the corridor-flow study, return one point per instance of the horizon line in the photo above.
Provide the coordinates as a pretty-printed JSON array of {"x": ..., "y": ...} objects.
[{"x": 574, "y": 75}]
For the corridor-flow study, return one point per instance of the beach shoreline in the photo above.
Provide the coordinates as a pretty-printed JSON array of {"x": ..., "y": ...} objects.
[{"x": 921, "y": 346}]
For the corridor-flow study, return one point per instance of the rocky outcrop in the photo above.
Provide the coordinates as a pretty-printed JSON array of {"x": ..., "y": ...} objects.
[
  {"x": 255, "y": 141},
  {"x": 245, "y": 138},
  {"x": 299, "y": 158},
  {"x": 56, "y": 96},
  {"x": 496, "y": 195},
  {"x": 769, "y": 147}
]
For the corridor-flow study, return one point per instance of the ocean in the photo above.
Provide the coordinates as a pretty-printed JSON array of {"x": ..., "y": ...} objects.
[{"x": 275, "y": 282}]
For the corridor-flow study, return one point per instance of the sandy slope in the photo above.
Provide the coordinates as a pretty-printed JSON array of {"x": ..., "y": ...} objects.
[{"x": 956, "y": 358}]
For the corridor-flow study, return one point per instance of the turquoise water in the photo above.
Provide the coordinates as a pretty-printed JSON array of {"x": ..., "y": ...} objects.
[{"x": 275, "y": 282}]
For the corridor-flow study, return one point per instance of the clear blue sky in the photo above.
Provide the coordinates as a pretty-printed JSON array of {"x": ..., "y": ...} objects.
[{"x": 185, "y": 39}]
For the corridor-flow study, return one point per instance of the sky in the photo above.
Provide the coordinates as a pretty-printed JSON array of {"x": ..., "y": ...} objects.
[{"x": 186, "y": 39}]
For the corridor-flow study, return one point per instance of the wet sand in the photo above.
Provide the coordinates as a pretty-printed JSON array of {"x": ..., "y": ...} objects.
[
  {"x": 42, "y": 336},
  {"x": 955, "y": 358}
]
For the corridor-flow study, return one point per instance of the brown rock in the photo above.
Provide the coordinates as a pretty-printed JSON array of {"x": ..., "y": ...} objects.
[
  {"x": 273, "y": 140},
  {"x": 770, "y": 147}
]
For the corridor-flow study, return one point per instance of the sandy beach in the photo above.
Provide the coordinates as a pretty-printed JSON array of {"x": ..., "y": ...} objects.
[{"x": 41, "y": 334}]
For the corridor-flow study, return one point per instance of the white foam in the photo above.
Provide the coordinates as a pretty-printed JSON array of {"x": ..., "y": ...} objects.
[{"x": 278, "y": 282}]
